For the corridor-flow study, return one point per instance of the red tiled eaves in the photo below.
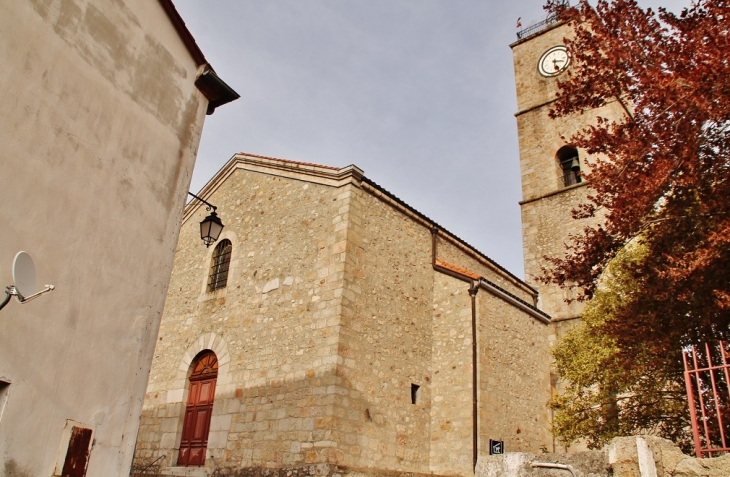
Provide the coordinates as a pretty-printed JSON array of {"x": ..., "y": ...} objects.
[
  {"x": 459, "y": 270},
  {"x": 290, "y": 161},
  {"x": 183, "y": 31}
]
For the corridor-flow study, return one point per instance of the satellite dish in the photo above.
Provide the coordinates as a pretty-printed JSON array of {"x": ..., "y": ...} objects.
[
  {"x": 24, "y": 279},
  {"x": 24, "y": 276}
]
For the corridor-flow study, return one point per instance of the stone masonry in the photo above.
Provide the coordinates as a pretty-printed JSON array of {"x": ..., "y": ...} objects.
[
  {"x": 547, "y": 203},
  {"x": 334, "y": 311}
]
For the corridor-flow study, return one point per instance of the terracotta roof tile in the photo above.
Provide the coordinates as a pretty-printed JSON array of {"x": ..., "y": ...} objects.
[{"x": 459, "y": 270}]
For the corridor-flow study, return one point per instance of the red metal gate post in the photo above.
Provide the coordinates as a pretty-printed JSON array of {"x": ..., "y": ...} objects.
[
  {"x": 716, "y": 395},
  {"x": 694, "y": 380},
  {"x": 692, "y": 409}
]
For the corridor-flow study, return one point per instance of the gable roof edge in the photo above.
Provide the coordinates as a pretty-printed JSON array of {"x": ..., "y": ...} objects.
[
  {"x": 305, "y": 171},
  {"x": 183, "y": 32},
  {"x": 338, "y": 177},
  {"x": 382, "y": 193},
  {"x": 215, "y": 90}
]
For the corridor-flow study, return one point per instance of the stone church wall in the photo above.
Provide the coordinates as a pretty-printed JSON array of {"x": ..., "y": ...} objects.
[
  {"x": 279, "y": 317},
  {"x": 546, "y": 224},
  {"x": 451, "y": 408},
  {"x": 386, "y": 338},
  {"x": 451, "y": 253},
  {"x": 514, "y": 377},
  {"x": 333, "y": 312}
]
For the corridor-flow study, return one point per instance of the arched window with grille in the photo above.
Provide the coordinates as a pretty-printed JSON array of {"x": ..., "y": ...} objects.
[
  {"x": 569, "y": 162},
  {"x": 218, "y": 277},
  {"x": 198, "y": 410}
]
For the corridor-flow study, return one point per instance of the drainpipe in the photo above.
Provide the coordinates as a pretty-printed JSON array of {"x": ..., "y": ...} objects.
[
  {"x": 475, "y": 283},
  {"x": 475, "y": 412},
  {"x": 474, "y": 286}
]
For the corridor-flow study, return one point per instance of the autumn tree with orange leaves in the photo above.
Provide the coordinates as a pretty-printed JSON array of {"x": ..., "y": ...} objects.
[{"x": 661, "y": 180}]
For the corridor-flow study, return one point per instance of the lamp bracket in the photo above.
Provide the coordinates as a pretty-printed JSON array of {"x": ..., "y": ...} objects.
[{"x": 208, "y": 206}]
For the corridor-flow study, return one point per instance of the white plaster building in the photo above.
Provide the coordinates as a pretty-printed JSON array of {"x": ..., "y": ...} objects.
[{"x": 103, "y": 106}]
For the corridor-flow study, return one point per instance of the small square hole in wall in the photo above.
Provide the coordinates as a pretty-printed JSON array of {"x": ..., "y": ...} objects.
[
  {"x": 414, "y": 393},
  {"x": 4, "y": 390}
]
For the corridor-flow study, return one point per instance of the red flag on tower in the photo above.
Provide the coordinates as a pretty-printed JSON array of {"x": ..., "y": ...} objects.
[{"x": 519, "y": 22}]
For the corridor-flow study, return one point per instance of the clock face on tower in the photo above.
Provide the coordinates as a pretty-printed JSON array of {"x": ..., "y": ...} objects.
[{"x": 554, "y": 61}]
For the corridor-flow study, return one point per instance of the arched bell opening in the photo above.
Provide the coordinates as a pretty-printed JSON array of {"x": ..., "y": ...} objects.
[{"x": 569, "y": 162}]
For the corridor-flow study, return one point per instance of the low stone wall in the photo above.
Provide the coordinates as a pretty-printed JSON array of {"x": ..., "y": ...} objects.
[
  {"x": 517, "y": 464},
  {"x": 641, "y": 456}
]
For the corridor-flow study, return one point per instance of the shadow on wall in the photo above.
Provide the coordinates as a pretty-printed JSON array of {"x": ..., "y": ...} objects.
[{"x": 276, "y": 427}]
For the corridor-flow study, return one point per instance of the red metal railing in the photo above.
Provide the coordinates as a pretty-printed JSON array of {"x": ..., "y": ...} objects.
[{"x": 707, "y": 376}]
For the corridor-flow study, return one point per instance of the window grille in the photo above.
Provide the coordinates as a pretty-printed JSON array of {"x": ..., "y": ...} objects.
[{"x": 218, "y": 277}]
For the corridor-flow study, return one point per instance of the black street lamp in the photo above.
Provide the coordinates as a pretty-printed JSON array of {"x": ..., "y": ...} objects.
[{"x": 211, "y": 226}]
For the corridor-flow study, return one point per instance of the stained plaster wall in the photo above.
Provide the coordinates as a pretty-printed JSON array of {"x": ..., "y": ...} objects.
[
  {"x": 100, "y": 126},
  {"x": 279, "y": 317}
]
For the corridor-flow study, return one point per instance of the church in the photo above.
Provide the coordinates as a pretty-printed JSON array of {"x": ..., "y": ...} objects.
[{"x": 334, "y": 330}]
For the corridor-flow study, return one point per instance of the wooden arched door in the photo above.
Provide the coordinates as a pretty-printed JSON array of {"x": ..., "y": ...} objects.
[{"x": 198, "y": 410}]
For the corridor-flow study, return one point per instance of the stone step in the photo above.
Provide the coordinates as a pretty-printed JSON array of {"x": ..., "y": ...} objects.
[{"x": 184, "y": 471}]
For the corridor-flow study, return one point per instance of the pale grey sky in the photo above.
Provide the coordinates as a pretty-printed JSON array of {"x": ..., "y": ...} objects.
[{"x": 418, "y": 93}]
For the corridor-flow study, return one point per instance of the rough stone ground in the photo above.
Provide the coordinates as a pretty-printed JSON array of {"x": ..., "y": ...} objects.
[
  {"x": 637, "y": 456},
  {"x": 318, "y": 470},
  {"x": 641, "y": 456}
]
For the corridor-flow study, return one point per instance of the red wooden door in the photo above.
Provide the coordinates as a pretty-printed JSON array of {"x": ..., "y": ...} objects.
[{"x": 198, "y": 411}]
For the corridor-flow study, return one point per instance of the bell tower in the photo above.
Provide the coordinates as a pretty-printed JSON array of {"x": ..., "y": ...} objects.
[{"x": 551, "y": 168}]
